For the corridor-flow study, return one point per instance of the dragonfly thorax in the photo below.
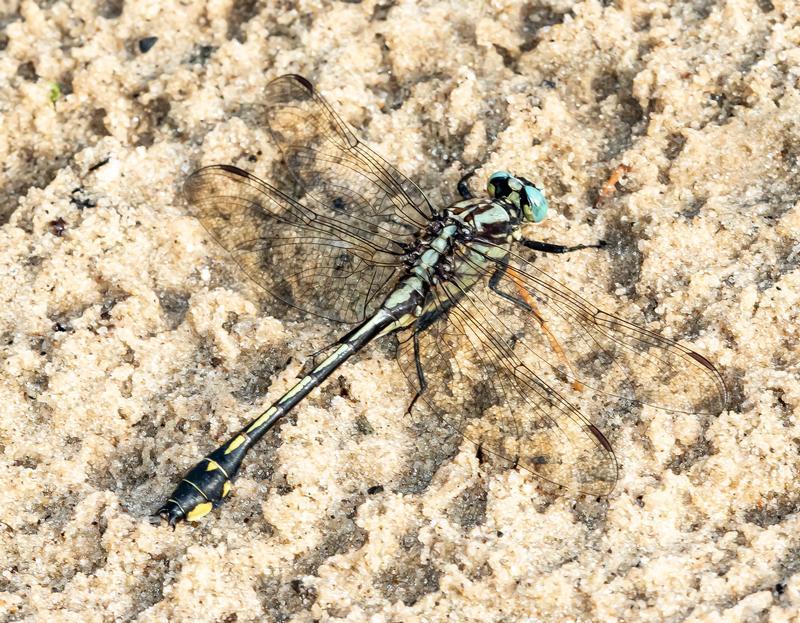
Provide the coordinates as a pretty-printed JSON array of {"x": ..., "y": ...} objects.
[{"x": 493, "y": 220}]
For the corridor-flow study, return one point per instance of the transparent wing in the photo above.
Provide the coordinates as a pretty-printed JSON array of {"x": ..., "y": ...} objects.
[
  {"x": 505, "y": 362},
  {"x": 312, "y": 260},
  {"x": 467, "y": 371},
  {"x": 601, "y": 356},
  {"x": 332, "y": 166},
  {"x": 331, "y": 241}
]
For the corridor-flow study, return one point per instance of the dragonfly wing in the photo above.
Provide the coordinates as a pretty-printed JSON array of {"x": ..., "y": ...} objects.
[
  {"x": 336, "y": 169},
  {"x": 465, "y": 369},
  {"x": 615, "y": 362},
  {"x": 308, "y": 259},
  {"x": 333, "y": 245},
  {"x": 509, "y": 360}
]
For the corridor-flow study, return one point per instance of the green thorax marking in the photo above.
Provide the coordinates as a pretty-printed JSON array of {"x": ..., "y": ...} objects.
[
  {"x": 494, "y": 215},
  {"x": 488, "y": 217}
]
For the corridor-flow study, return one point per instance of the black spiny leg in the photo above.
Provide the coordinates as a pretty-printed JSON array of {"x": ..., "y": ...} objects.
[
  {"x": 527, "y": 302},
  {"x": 420, "y": 374},
  {"x": 463, "y": 185},
  {"x": 546, "y": 247},
  {"x": 425, "y": 321}
]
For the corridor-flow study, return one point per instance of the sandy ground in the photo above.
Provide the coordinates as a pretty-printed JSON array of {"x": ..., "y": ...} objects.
[{"x": 129, "y": 347}]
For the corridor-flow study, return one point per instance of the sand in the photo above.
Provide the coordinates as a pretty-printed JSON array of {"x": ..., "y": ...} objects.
[{"x": 130, "y": 345}]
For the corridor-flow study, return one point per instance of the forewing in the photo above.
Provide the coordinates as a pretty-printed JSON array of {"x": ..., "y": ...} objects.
[
  {"x": 332, "y": 166},
  {"x": 601, "y": 355},
  {"x": 310, "y": 260}
]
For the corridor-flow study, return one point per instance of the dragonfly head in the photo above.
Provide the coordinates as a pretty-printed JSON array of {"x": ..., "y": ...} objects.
[{"x": 528, "y": 199}]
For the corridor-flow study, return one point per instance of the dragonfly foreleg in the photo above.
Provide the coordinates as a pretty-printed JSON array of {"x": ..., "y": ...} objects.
[
  {"x": 463, "y": 184},
  {"x": 546, "y": 247}
]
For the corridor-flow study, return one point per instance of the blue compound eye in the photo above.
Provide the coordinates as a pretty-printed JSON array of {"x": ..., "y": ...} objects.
[
  {"x": 497, "y": 186},
  {"x": 536, "y": 208},
  {"x": 519, "y": 192},
  {"x": 503, "y": 185}
]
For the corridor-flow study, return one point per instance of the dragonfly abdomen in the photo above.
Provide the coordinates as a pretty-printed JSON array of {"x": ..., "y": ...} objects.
[{"x": 208, "y": 483}]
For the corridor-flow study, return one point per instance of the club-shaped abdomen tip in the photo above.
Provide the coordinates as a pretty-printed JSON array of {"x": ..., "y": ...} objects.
[
  {"x": 172, "y": 512},
  {"x": 205, "y": 487},
  {"x": 190, "y": 507}
]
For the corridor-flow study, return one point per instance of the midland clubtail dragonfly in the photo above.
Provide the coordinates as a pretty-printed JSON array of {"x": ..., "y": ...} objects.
[{"x": 497, "y": 349}]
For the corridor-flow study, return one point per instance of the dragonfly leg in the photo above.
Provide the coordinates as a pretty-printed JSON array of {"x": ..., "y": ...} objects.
[
  {"x": 463, "y": 184},
  {"x": 495, "y": 280},
  {"x": 527, "y": 303},
  {"x": 546, "y": 247},
  {"x": 420, "y": 375}
]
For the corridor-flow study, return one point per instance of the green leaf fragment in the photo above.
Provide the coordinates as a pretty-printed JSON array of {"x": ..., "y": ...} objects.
[{"x": 55, "y": 92}]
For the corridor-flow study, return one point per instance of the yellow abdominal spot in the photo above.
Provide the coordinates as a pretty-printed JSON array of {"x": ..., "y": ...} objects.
[
  {"x": 226, "y": 488},
  {"x": 199, "y": 511},
  {"x": 212, "y": 465},
  {"x": 235, "y": 444},
  {"x": 264, "y": 417}
]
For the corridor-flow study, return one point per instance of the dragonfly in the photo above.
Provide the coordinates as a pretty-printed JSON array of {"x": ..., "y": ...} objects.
[{"x": 496, "y": 349}]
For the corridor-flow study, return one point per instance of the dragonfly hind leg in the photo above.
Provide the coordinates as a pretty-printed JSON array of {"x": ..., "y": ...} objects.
[{"x": 420, "y": 375}]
